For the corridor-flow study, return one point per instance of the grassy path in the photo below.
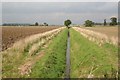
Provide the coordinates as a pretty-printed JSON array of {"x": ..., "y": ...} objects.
[
  {"x": 90, "y": 60},
  {"x": 52, "y": 64}
]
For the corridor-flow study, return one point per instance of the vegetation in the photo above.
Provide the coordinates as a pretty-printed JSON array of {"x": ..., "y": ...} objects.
[
  {"x": 89, "y": 23},
  {"x": 45, "y": 24},
  {"x": 24, "y": 51},
  {"x": 36, "y": 24},
  {"x": 113, "y": 21},
  {"x": 52, "y": 64},
  {"x": 67, "y": 23},
  {"x": 12, "y": 34},
  {"x": 105, "y": 22},
  {"x": 90, "y": 60}
]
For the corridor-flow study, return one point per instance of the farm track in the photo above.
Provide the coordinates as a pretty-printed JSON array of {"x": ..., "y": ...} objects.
[{"x": 12, "y": 34}]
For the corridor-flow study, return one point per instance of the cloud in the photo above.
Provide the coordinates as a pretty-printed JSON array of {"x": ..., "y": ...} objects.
[
  {"x": 56, "y": 13},
  {"x": 59, "y": 0}
]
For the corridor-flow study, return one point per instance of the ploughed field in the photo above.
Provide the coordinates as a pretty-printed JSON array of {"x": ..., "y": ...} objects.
[{"x": 12, "y": 34}]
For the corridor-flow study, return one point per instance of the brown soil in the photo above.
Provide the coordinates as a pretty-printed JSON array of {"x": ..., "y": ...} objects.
[{"x": 12, "y": 34}]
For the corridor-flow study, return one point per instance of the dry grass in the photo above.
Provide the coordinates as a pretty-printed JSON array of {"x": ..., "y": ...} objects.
[
  {"x": 20, "y": 45},
  {"x": 100, "y": 35},
  {"x": 11, "y": 34},
  {"x": 24, "y": 49},
  {"x": 109, "y": 31}
]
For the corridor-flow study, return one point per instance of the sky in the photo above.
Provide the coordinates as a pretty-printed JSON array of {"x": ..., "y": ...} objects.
[
  {"x": 59, "y": 0},
  {"x": 55, "y": 13}
]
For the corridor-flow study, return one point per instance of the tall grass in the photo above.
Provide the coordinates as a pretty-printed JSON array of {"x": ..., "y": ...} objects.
[
  {"x": 22, "y": 50},
  {"x": 88, "y": 60},
  {"x": 52, "y": 65}
]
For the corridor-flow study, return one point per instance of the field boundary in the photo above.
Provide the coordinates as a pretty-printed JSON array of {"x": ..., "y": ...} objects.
[
  {"x": 22, "y": 50},
  {"x": 97, "y": 37}
]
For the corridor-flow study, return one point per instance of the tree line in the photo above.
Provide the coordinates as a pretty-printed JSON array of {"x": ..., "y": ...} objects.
[{"x": 89, "y": 23}]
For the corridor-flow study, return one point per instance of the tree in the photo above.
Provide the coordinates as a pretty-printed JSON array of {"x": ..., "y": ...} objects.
[
  {"x": 105, "y": 22},
  {"x": 45, "y": 24},
  {"x": 89, "y": 23},
  {"x": 113, "y": 21},
  {"x": 36, "y": 24},
  {"x": 67, "y": 23}
]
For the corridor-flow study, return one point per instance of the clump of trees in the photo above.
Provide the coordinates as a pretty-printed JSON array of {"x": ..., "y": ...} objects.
[
  {"x": 105, "y": 23},
  {"x": 45, "y": 24},
  {"x": 67, "y": 23},
  {"x": 89, "y": 23},
  {"x": 113, "y": 21},
  {"x": 36, "y": 24}
]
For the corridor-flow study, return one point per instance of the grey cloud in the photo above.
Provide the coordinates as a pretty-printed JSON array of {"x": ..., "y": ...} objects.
[
  {"x": 80, "y": 7},
  {"x": 55, "y": 13}
]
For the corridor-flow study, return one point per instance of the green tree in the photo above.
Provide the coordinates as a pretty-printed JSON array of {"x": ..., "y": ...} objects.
[
  {"x": 45, "y": 24},
  {"x": 89, "y": 23},
  {"x": 113, "y": 21},
  {"x": 105, "y": 22},
  {"x": 36, "y": 24},
  {"x": 67, "y": 23}
]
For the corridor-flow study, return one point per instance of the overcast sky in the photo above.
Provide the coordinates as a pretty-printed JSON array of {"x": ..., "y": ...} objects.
[{"x": 57, "y": 12}]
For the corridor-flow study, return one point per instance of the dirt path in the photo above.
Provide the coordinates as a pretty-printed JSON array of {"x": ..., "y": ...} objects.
[{"x": 26, "y": 67}]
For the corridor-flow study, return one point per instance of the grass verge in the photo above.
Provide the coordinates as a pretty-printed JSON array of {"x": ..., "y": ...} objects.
[
  {"x": 16, "y": 56},
  {"x": 52, "y": 64},
  {"x": 88, "y": 60}
]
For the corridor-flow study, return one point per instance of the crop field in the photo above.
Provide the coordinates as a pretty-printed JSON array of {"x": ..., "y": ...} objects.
[
  {"x": 41, "y": 52},
  {"x": 13, "y": 34}
]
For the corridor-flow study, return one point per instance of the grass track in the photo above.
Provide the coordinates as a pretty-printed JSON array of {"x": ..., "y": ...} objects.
[
  {"x": 52, "y": 64},
  {"x": 90, "y": 60}
]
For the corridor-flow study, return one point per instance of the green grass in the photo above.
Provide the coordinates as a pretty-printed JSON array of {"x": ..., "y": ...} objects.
[
  {"x": 87, "y": 57},
  {"x": 15, "y": 58},
  {"x": 52, "y": 64}
]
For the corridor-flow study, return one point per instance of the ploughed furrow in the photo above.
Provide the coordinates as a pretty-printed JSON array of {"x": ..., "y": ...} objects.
[{"x": 19, "y": 59}]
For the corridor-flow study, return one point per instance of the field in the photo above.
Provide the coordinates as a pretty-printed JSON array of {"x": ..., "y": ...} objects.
[
  {"x": 42, "y": 53},
  {"x": 101, "y": 34},
  {"x": 109, "y": 31},
  {"x": 24, "y": 51},
  {"x": 91, "y": 60},
  {"x": 12, "y": 34}
]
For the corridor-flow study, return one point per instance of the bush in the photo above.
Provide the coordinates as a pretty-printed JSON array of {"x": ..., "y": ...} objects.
[{"x": 89, "y": 23}]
